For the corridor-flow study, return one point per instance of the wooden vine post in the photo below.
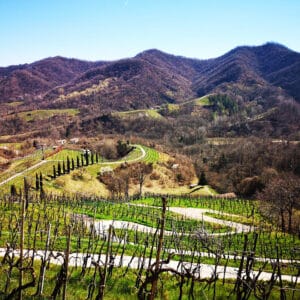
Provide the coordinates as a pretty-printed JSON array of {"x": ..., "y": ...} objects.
[
  {"x": 44, "y": 264},
  {"x": 67, "y": 255},
  {"x": 21, "y": 244},
  {"x": 159, "y": 248},
  {"x": 103, "y": 279}
]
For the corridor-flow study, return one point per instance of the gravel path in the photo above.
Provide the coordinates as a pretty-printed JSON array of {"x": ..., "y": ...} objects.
[
  {"x": 101, "y": 226},
  {"x": 205, "y": 270},
  {"x": 199, "y": 214},
  {"x": 131, "y": 160},
  {"x": 21, "y": 173}
]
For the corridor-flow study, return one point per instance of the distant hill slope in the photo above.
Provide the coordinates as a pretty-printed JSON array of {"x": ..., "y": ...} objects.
[
  {"x": 270, "y": 64},
  {"x": 154, "y": 77},
  {"x": 125, "y": 84},
  {"x": 30, "y": 80}
]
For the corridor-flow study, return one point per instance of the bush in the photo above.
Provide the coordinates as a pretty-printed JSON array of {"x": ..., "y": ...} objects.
[
  {"x": 59, "y": 183},
  {"x": 77, "y": 175}
]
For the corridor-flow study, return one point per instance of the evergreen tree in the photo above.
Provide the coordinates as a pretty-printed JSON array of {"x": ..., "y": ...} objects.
[
  {"x": 202, "y": 179},
  {"x": 82, "y": 161},
  {"x": 54, "y": 171},
  {"x": 86, "y": 156},
  {"x": 122, "y": 148},
  {"x": 97, "y": 158},
  {"x": 26, "y": 192},
  {"x": 37, "y": 182},
  {"x": 68, "y": 164},
  {"x": 58, "y": 169},
  {"x": 77, "y": 162},
  {"x": 64, "y": 168},
  {"x": 92, "y": 158},
  {"x": 13, "y": 190},
  {"x": 72, "y": 164},
  {"x": 41, "y": 182}
]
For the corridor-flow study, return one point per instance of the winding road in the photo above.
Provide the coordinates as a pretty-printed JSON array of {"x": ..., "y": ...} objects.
[
  {"x": 21, "y": 173},
  {"x": 199, "y": 214},
  {"x": 104, "y": 163},
  {"x": 204, "y": 270}
]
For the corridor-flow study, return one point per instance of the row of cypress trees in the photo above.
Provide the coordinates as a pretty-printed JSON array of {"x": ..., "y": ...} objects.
[{"x": 64, "y": 167}]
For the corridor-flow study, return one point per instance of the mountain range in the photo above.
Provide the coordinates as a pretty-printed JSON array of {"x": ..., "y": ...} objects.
[{"x": 151, "y": 78}]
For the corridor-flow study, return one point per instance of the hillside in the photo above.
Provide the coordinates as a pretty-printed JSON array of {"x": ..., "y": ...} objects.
[
  {"x": 125, "y": 84},
  {"x": 154, "y": 78},
  {"x": 268, "y": 66},
  {"x": 25, "y": 82}
]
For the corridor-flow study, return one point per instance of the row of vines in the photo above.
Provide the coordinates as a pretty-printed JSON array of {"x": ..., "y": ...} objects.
[{"x": 74, "y": 247}]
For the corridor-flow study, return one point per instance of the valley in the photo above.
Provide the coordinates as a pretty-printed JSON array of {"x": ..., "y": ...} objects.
[{"x": 152, "y": 172}]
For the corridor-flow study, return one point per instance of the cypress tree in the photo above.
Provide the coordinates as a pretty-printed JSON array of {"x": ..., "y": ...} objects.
[
  {"x": 54, "y": 171},
  {"x": 58, "y": 169},
  {"x": 64, "y": 167},
  {"x": 68, "y": 164},
  {"x": 72, "y": 164},
  {"x": 86, "y": 156},
  {"x": 77, "y": 162},
  {"x": 13, "y": 190},
  {"x": 37, "y": 182},
  {"x": 202, "y": 179},
  {"x": 92, "y": 158},
  {"x": 41, "y": 182},
  {"x": 82, "y": 161},
  {"x": 97, "y": 158},
  {"x": 26, "y": 192}
]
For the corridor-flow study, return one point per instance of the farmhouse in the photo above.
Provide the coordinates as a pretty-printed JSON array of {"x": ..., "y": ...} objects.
[
  {"x": 74, "y": 140},
  {"x": 61, "y": 142},
  {"x": 105, "y": 170}
]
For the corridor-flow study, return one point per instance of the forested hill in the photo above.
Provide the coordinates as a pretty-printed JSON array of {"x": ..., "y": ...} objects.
[{"x": 154, "y": 78}]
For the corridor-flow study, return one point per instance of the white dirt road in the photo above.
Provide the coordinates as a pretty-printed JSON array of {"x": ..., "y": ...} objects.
[
  {"x": 204, "y": 270},
  {"x": 199, "y": 214},
  {"x": 23, "y": 172}
]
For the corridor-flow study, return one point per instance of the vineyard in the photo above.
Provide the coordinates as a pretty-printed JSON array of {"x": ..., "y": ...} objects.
[
  {"x": 33, "y": 164},
  {"x": 167, "y": 247}
]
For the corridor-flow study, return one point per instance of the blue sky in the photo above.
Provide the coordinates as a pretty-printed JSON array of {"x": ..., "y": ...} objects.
[{"x": 112, "y": 29}]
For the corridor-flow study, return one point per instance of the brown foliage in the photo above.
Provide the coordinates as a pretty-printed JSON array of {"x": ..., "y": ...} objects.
[{"x": 280, "y": 199}]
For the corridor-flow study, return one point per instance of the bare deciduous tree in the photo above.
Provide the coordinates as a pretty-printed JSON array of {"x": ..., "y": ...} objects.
[{"x": 281, "y": 197}]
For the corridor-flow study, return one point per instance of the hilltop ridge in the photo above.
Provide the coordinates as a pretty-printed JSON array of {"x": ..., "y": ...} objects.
[{"x": 152, "y": 78}]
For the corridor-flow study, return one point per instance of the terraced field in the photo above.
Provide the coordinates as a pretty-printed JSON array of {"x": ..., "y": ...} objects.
[{"x": 152, "y": 156}]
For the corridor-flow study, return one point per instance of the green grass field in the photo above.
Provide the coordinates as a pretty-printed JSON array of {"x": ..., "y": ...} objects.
[
  {"x": 152, "y": 156},
  {"x": 231, "y": 206},
  {"x": 12, "y": 146},
  {"x": 201, "y": 101},
  {"x": 34, "y": 115},
  {"x": 63, "y": 154},
  {"x": 150, "y": 113},
  {"x": 121, "y": 287},
  {"x": 15, "y": 103}
]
